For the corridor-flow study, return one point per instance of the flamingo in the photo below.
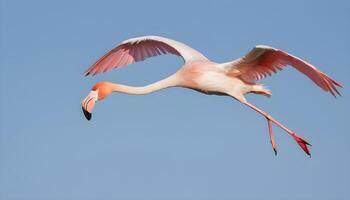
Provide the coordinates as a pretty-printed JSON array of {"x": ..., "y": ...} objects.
[{"x": 235, "y": 78}]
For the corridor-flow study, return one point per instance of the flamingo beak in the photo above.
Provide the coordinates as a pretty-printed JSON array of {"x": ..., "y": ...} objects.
[{"x": 88, "y": 104}]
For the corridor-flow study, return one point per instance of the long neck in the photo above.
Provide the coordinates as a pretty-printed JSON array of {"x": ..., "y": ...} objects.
[{"x": 170, "y": 81}]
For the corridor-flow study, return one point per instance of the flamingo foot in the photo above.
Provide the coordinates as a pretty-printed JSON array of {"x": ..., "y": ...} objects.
[
  {"x": 272, "y": 137},
  {"x": 302, "y": 143}
]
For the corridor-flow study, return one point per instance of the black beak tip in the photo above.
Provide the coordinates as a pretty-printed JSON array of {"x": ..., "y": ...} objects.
[{"x": 87, "y": 114}]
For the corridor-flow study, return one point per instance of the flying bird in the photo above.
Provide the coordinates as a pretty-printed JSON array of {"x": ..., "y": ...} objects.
[{"x": 235, "y": 78}]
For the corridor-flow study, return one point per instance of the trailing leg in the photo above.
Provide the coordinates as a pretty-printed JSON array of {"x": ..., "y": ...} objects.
[
  {"x": 272, "y": 137},
  {"x": 302, "y": 142}
]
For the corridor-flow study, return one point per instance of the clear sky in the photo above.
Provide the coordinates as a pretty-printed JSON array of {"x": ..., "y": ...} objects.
[{"x": 176, "y": 143}]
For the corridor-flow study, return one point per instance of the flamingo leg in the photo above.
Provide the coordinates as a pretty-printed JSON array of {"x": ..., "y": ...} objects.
[
  {"x": 272, "y": 136},
  {"x": 302, "y": 142}
]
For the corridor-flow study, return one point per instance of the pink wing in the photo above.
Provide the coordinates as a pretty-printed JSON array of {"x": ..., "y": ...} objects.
[
  {"x": 264, "y": 60},
  {"x": 138, "y": 49}
]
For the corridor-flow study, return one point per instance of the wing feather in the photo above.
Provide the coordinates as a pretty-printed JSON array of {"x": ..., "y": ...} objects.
[
  {"x": 264, "y": 60},
  {"x": 138, "y": 49}
]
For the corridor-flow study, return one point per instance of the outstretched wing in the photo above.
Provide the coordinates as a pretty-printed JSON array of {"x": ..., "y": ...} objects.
[
  {"x": 264, "y": 60},
  {"x": 140, "y": 48}
]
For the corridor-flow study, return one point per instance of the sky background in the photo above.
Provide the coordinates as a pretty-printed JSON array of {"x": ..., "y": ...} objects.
[{"x": 176, "y": 143}]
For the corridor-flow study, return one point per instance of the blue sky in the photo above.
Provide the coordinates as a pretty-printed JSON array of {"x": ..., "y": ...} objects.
[{"x": 176, "y": 143}]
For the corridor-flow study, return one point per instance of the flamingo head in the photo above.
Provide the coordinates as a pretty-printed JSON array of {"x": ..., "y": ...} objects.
[{"x": 99, "y": 92}]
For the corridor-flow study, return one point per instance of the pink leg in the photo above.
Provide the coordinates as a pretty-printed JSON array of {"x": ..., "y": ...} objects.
[
  {"x": 272, "y": 137},
  {"x": 302, "y": 143}
]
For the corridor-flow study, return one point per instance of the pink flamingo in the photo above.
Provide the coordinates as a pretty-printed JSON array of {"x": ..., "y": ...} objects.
[{"x": 235, "y": 78}]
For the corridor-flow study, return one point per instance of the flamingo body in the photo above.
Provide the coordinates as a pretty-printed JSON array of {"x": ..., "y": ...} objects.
[
  {"x": 210, "y": 78},
  {"x": 235, "y": 78}
]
